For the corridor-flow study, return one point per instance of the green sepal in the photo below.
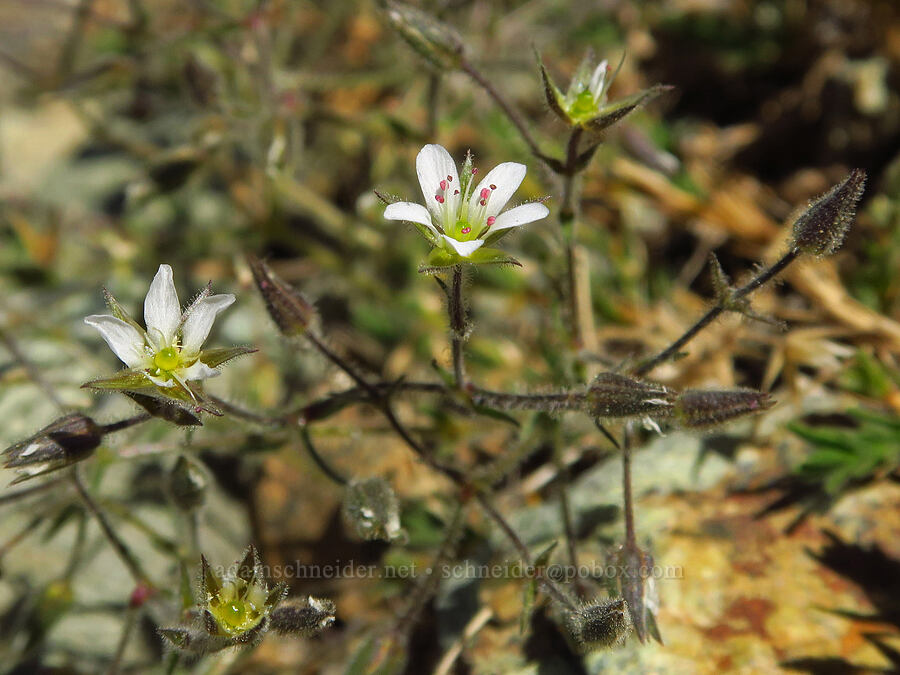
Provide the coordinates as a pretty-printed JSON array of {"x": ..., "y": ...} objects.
[
  {"x": 619, "y": 110},
  {"x": 439, "y": 259},
  {"x": 555, "y": 98},
  {"x": 130, "y": 378},
  {"x": 218, "y": 355},
  {"x": 120, "y": 312},
  {"x": 137, "y": 381},
  {"x": 492, "y": 256}
]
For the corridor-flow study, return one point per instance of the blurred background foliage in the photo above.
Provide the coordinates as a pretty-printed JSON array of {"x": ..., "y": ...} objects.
[{"x": 134, "y": 133}]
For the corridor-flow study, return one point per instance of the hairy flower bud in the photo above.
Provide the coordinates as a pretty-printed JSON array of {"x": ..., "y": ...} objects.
[
  {"x": 187, "y": 484},
  {"x": 371, "y": 510},
  {"x": 821, "y": 228},
  {"x": 699, "y": 408},
  {"x": 165, "y": 409},
  {"x": 614, "y": 395},
  {"x": 292, "y": 313},
  {"x": 62, "y": 443},
  {"x": 600, "y": 624},
  {"x": 303, "y": 617},
  {"x": 433, "y": 40}
]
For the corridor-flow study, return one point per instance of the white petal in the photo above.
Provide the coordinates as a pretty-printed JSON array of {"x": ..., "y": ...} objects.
[
  {"x": 124, "y": 339},
  {"x": 434, "y": 164},
  {"x": 526, "y": 213},
  {"x": 162, "y": 313},
  {"x": 414, "y": 213},
  {"x": 597, "y": 79},
  {"x": 507, "y": 177},
  {"x": 464, "y": 248},
  {"x": 160, "y": 381},
  {"x": 200, "y": 319},
  {"x": 198, "y": 371}
]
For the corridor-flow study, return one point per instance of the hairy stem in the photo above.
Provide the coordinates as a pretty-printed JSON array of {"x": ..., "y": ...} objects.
[
  {"x": 505, "y": 106},
  {"x": 124, "y": 424},
  {"x": 714, "y": 312},
  {"x": 627, "y": 498},
  {"x": 120, "y": 547},
  {"x": 457, "y": 325},
  {"x": 319, "y": 461}
]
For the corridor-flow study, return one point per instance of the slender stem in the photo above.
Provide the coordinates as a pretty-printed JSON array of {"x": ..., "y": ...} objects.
[
  {"x": 713, "y": 313},
  {"x": 31, "y": 370},
  {"x": 429, "y": 584},
  {"x": 119, "y": 546},
  {"x": 319, "y": 460},
  {"x": 627, "y": 498},
  {"x": 77, "y": 547},
  {"x": 524, "y": 553},
  {"x": 124, "y": 424},
  {"x": 69, "y": 51},
  {"x": 434, "y": 92},
  {"x": 244, "y": 414},
  {"x": 457, "y": 325},
  {"x": 131, "y": 615},
  {"x": 505, "y": 106},
  {"x": 27, "y": 492},
  {"x": 555, "y": 401},
  {"x": 565, "y": 508},
  {"x": 581, "y": 318}
]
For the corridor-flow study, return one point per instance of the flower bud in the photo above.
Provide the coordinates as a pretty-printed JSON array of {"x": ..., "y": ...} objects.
[
  {"x": 165, "y": 409},
  {"x": 821, "y": 228},
  {"x": 614, "y": 395},
  {"x": 187, "y": 484},
  {"x": 698, "y": 408},
  {"x": 602, "y": 623},
  {"x": 433, "y": 40},
  {"x": 303, "y": 617},
  {"x": 62, "y": 443},
  {"x": 292, "y": 313},
  {"x": 372, "y": 511}
]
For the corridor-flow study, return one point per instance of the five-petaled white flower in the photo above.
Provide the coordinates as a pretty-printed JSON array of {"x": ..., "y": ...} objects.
[
  {"x": 168, "y": 351},
  {"x": 459, "y": 217}
]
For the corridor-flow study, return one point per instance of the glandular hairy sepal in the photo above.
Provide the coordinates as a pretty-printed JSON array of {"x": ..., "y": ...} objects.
[
  {"x": 702, "y": 408},
  {"x": 305, "y": 617},
  {"x": 820, "y": 230},
  {"x": 292, "y": 313},
  {"x": 611, "y": 395}
]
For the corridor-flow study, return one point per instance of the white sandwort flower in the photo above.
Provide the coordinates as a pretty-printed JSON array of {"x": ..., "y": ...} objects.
[
  {"x": 459, "y": 217},
  {"x": 167, "y": 352}
]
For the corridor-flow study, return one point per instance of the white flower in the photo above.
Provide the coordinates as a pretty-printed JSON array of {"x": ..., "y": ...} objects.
[
  {"x": 168, "y": 351},
  {"x": 458, "y": 216}
]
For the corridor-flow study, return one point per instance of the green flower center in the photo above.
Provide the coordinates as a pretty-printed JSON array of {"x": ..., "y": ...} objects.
[
  {"x": 463, "y": 231},
  {"x": 233, "y": 607},
  {"x": 167, "y": 359},
  {"x": 583, "y": 107}
]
